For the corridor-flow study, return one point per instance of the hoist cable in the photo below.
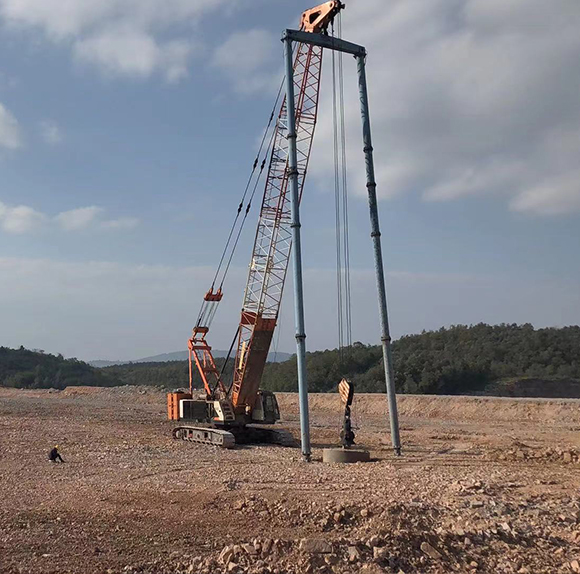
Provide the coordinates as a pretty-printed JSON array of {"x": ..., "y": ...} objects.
[
  {"x": 202, "y": 313},
  {"x": 337, "y": 204},
  {"x": 249, "y": 206},
  {"x": 227, "y": 359},
  {"x": 248, "y": 184},
  {"x": 343, "y": 281},
  {"x": 241, "y": 204},
  {"x": 346, "y": 239},
  {"x": 211, "y": 315}
]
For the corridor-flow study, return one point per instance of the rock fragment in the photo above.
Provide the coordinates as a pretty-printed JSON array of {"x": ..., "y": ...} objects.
[
  {"x": 431, "y": 551},
  {"x": 353, "y": 554},
  {"x": 379, "y": 554},
  {"x": 313, "y": 546},
  {"x": 226, "y": 555},
  {"x": 239, "y": 505}
]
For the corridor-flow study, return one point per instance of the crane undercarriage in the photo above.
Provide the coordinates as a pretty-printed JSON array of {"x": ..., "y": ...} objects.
[
  {"x": 246, "y": 434},
  {"x": 214, "y": 422}
]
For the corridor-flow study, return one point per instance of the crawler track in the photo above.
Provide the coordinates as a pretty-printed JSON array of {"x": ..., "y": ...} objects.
[
  {"x": 205, "y": 435},
  {"x": 251, "y": 434},
  {"x": 256, "y": 434}
]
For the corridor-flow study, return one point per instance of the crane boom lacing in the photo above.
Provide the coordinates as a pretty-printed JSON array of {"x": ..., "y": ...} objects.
[{"x": 273, "y": 240}]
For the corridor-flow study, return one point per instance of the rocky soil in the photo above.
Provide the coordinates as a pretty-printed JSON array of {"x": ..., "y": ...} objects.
[{"x": 484, "y": 486}]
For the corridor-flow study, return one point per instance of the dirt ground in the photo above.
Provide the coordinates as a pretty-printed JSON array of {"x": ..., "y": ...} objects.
[{"x": 484, "y": 485}]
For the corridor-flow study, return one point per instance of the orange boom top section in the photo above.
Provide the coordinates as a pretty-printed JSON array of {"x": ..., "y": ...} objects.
[{"x": 316, "y": 20}]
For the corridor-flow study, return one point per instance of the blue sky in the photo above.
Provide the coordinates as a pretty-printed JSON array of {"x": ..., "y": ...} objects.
[{"x": 127, "y": 130}]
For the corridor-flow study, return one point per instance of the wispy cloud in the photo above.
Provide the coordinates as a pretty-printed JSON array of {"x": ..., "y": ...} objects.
[
  {"x": 79, "y": 218},
  {"x": 246, "y": 58},
  {"x": 121, "y": 223},
  {"x": 469, "y": 98},
  {"x": 50, "y": 132},
  {"x": 20, "y": 219},
  {"x": 120, "y": 37},
  {"x": 23, "y": 219},
  {"x": 134, "y": 53},
  {"x": 10, "y": 134}
]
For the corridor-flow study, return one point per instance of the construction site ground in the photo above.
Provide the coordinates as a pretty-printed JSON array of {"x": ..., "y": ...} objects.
[{"x": 484, "y": 485}]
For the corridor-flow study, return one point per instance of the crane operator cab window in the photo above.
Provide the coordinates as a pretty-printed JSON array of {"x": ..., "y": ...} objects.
[{"x": 270, "y": 411}]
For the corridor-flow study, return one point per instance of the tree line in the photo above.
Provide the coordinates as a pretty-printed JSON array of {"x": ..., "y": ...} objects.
[
  {"x": 456, "y": 360},
  {"x": 26, "y": 369},
  {"x": 459, "y": 359}
]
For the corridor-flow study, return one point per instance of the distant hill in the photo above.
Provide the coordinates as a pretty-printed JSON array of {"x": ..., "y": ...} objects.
[
  {"x": 99, "y": 364},
  {"x": 22, "y": 368},
  {"x": 181, "y": 356}
]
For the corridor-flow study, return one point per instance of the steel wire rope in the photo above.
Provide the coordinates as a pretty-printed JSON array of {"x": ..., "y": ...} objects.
[
  {"x": 203, "y": 311},
  {"x": 240, "y": 206},
  {"x": 341, "y": 201},
  {"x": 213, "y": 311},
  {"x": 346, "y": 238},
  {"x": 226, "y": 362},
  {"x": 343, "y": 279},
  {"x": 208, "y": 314},
  {"x": 337, "y": 202},
  {"x": 249, "y": 206},
  {"x": 249, "y": 182}
]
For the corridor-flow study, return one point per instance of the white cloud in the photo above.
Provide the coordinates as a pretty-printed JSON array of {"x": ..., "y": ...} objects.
[
  {"x": 121, "y": 223},
  {"x": 20, "y": 219},
  {"x": 134, "y": 53},
  {"x": 92, "y": 217},
  {"x": 245, "y": 56},
  {"x": 555, "y": 196},
  {"x": 120, "y": 37},
  {"x": 10, "y": 136},
  {"x": 80, "y": 218},
  {"x": 468, "y": 97},
  {"x": 50, "y": 132}
]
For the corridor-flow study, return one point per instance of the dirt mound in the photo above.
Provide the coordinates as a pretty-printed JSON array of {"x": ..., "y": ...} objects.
[
  {"x": 449, "y": 408},
  {"x": 536, "y": 388}
]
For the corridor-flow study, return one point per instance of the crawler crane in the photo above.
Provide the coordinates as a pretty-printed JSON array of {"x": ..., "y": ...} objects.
[{"x": 237, "y": 410}]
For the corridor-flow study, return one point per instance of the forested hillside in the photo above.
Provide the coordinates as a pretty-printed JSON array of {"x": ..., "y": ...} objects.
[
  {"x": 456, "y": 360},
  {"x": 515, "y": 360},
  {"x": 174, "y": 374},
  {"x": 460, "y": 359},
  {"x": 35, "y": 370}
]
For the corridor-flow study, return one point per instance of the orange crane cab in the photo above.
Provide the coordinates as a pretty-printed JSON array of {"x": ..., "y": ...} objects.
[{"x": 240, "y": 411}]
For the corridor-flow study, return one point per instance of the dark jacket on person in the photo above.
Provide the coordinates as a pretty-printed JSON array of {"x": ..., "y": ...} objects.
[{"x": 54, "y": 455}]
